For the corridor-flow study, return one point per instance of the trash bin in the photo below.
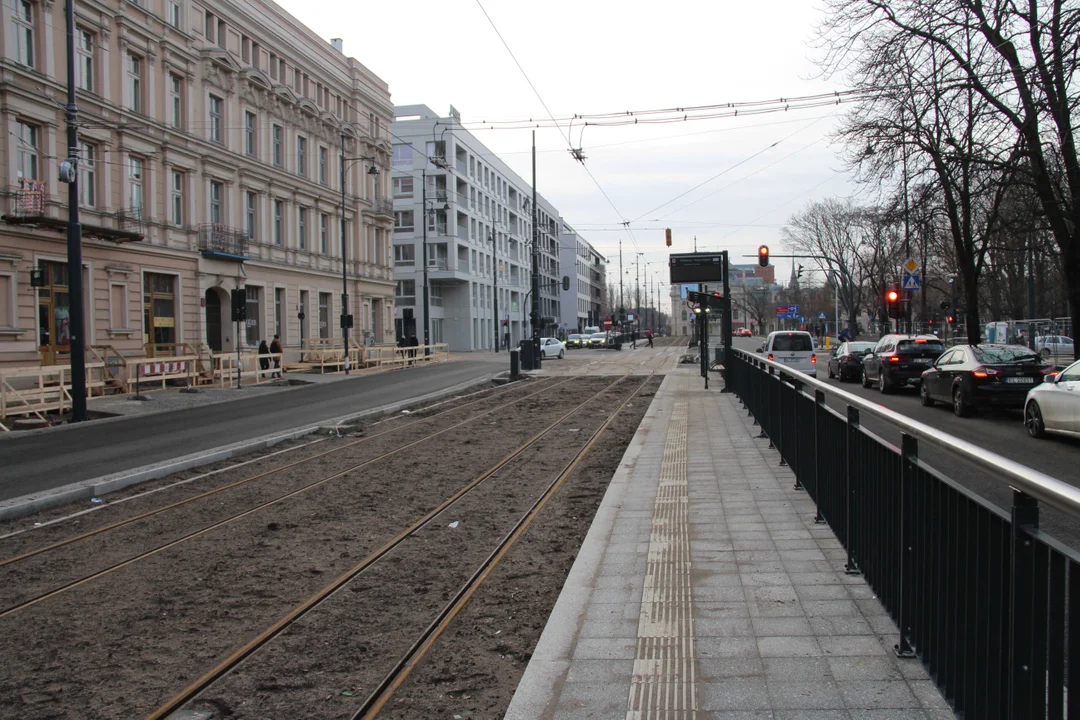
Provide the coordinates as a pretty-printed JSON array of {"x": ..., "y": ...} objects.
[{"x": 526, "y": 355}]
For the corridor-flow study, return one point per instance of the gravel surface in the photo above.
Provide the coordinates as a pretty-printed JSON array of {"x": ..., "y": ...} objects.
[{"x": 151, "y": 627}]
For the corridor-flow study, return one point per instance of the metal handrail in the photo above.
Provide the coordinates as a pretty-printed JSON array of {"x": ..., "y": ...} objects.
[{"x": 1043, "y": 487}]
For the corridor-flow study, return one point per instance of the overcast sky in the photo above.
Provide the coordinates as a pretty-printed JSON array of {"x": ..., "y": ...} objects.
[{"x": 596, "y": 56}]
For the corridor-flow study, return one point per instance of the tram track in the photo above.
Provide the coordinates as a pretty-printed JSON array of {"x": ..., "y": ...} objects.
[
  {"x": 459, "y": 598},
  {"x": 247, "y": 512}
]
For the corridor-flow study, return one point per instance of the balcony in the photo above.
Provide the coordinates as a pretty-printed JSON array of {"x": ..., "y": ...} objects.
[
  {"x": 383, "y": 207},
  {"x": 29, "y": 209},
  {"x": 217, "y": 240}
]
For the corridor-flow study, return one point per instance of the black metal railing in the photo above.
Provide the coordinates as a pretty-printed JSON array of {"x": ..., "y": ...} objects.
[
  {"x": 217, "y": 238},
  {"x": 986, "y": 601}
]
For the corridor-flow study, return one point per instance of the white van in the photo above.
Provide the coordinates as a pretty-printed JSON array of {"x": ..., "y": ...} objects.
[
  {"x": 792, "y": 348},
  {"x": 591, "y": 330}
]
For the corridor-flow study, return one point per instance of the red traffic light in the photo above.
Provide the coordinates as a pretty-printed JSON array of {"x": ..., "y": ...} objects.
[
  {"x": 668, "y": 232},
  {"x": 892, "y": 296},
  {"x": 763, "y": 256}
]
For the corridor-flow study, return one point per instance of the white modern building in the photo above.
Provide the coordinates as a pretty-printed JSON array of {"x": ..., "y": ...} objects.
[
  {"x": 478, "y": 228},
  {"x": 583, "y": 301}
]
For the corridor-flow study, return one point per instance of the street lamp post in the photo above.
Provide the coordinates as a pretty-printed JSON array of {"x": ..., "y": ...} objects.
[
  {"x": 346, "y": 316},
  {"x": 495, "y": 285}
]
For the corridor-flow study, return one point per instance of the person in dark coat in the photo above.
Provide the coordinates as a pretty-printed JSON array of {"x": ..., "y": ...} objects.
[
  {"x": 264, "y": 362},
  {"x": 413, "y": 343},
  {"x": 648, "y": 335},
  {"x": 275, "y": 348}
]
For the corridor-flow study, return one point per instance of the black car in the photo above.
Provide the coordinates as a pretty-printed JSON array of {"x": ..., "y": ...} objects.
[
  {"x": 981, "y": 376},
  {"x": 899, "y": 360},
  {"x": 846, "y": 361}
]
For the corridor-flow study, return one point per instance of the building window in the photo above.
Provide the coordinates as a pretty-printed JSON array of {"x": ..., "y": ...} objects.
[
  {"x": 403, "y": 187},
  {"x": 251, "y": 203},
  {"x": 135, "y": 185},
  {"x": 253, "y": 335},
  {"x": 278, "y": 156},
  {"x": 221, "y": 33},
  {"x": 273, "y": 67},
  {"x": 217, "y": 202},
  {"x": 159, "y": 309},
  {"x": 24, "y": 32},
  {"x": 172, "y": 14},
  {"x": 28, "y": 150},
  {"x": 324, "y": 163},
  {"x": 301, "y": 228},
  {"x": 249, "y": 133},
  {"x": 245, "y": 49},
  {"x": 176, "y": 101},
  {"x": 176, "y": 198},
  {"x": 134, "y": 82},
  {"x": 324, "y": 315},
  {"x": 404, "y": 255},
  {"x": 211, "y": 27},
  {"x": 216, "y": 105},
  {"x": 403, "y": 221},
  {"x": 87, "y": 175},
  {"x": 403, "y": 156},
  {"x": 84, "y": 70},
  {"x": 324, "y": 234},
  {"x": 405, "y": 292},
  {"x": 279, "y": 211},
  {"x": 279, "y": 313},
  {"x": 301, "y": 156}
]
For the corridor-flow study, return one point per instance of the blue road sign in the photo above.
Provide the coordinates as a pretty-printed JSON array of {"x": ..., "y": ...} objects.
[
  {"x": 821, "y": 316},
  {"x": 911, "y": 282},
  {"x": 802, "y": 319}
]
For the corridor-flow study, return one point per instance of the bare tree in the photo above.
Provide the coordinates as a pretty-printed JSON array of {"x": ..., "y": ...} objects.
[{"x": 1015, "y": 62}]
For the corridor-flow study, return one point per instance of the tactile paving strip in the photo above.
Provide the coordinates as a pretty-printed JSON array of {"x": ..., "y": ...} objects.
[{"x": 663, "y": 684}]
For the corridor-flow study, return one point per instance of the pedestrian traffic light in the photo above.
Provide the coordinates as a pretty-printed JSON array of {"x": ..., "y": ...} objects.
[
  {"x": 892, "y": 302},
  {"x": 763, "y": 256},
  {"x": 949, "y": 319},
  {"x": 668, "y": 232},
  {"x": 239, "y": 305}
]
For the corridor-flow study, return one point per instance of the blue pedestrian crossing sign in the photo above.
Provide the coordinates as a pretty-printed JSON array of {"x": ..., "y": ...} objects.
[
  {"x": 821, "y": 316},
  {"x": 911, "y": 282}
]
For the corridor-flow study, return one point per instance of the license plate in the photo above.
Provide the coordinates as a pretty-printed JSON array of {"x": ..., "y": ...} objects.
[
  {"x": 922, "y": 361},
  {"x": 790, "y": 360},
  {"x": 1020, "y": 380}
]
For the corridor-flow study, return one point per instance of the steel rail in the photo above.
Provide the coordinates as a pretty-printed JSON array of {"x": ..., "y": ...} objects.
[
  {"x": 404, "y": 667},
  {"x": 243, "y": 481},
  {"x": 1045, "y": 488},
  {"x": 196, "y": 533},
  {"x": 264, "y": 637}
]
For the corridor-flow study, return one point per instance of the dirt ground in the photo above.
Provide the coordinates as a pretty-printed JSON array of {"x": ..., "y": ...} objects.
[{"x": 119, "y": 645}]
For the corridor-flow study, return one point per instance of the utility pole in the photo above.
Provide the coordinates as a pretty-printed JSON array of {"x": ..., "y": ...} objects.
[
  {"x": 621, "y": 306},
  {"x": 1031, "y": 293},
  {"x": 344, "y": 262},
  {"x": 74, "y": 236},
  {"x": 907, "y": 236},
  {"x": 535, "y": 313},
  {"x": 637, "y": 289},
  {"x": 424, "y": 221}
]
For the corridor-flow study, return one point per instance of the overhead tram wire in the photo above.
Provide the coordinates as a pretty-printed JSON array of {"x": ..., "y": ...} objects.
[{"x": 556, "y": 124}]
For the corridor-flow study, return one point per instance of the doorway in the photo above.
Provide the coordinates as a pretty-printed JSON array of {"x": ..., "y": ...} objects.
[
  {"x": 54, "y": 313},
  {"x": 213, "y": 319}
]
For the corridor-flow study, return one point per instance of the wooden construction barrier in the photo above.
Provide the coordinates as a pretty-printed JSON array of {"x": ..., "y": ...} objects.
[
  {"x": 45, "y": 389},
  {"x": 226, "y": 367},
  {"x": 155, "y": 371}
]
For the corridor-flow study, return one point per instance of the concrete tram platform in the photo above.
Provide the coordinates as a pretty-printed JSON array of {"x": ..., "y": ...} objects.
[{"x": 705, "y": 590}]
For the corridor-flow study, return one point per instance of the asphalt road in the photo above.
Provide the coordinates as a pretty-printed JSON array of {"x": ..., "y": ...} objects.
[
  {"x": 1001, "y": 432},
  {"x": 32, "y": 462}
]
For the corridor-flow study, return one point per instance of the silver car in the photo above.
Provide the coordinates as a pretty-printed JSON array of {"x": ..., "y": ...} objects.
[{"x": 1054, "y": 405}]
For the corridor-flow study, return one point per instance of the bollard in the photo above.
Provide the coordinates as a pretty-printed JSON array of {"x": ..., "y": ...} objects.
[{"x": 515, "y": 368}]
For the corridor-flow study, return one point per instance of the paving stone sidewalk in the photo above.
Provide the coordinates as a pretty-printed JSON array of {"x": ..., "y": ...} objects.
[{"x": 774, "y": 628}]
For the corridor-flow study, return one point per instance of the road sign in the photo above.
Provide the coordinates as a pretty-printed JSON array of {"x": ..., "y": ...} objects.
[
  {"x": 790, "y": 312},
  {"x": 822, "y": 316},
  {"x": 607, "y": 322},
  {"x": 696, "y": 268},
  {"x": 802, "y": 319},
  {"x": 911, "y": 282},
  {"x": 911, "y": 266}
]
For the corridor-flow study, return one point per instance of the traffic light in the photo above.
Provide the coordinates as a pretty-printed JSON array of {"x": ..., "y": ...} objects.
[
  {"x": 949, "y": 319},
  {"x": 763, "y": 256},
  {"x": 892, "y": 302},
  {"x": 239, "y": 305},
  {"x": 799, "y": 276},
  {"x": 668, "y": 233}
]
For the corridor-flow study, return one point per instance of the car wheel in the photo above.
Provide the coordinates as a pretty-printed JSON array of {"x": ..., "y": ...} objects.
[
  {"x": 883, "y": 385},
  {"x": 1046, "y": 352},
  {"x": 959, "y": 407},
  {"x": 865, "y": 379},
  {"x": 1033, "y": 420},
  {"x": 561, "y": 354},
  {"x": 924, "y": 395}
]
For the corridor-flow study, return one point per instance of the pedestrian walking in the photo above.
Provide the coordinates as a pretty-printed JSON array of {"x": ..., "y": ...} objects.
[
  {"x": 264, "y": 361},
  {"x": 276, "y": 349},
  {"x": 648, "y": 336},
  {"x": 633, "y": 340},
  {"x": 413, "y": 344}
]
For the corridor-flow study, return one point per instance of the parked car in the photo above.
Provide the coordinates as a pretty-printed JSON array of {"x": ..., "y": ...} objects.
[
  {"x": 1053, "y": 406},
  {"x": 1054, "y": 345},
  {"x": 982, "y": 376},
  {"x": 899, "y": 360},
  {"x": 794, "y": 348},
  {"x": 552, "y": 346},
  {"x": 846, "y": 361},
  {"x": 575, "y": 341}
]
